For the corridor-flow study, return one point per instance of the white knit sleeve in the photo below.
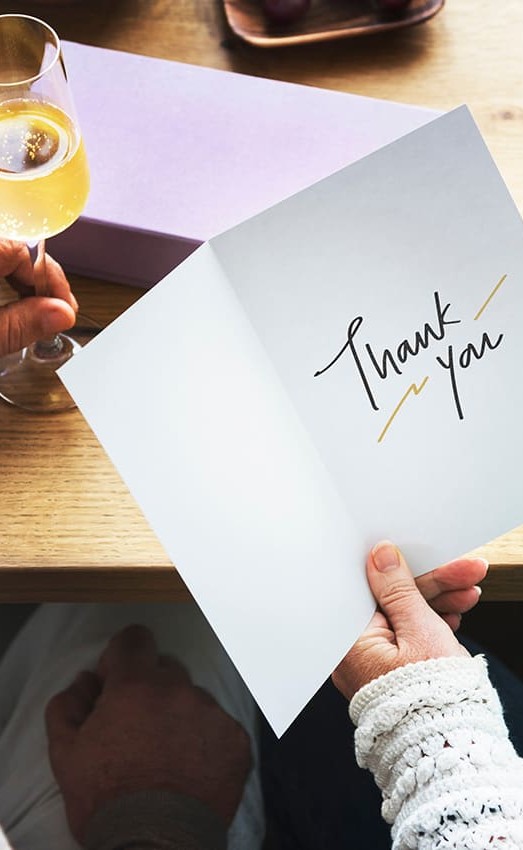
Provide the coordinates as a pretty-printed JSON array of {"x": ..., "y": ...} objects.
[{"x": 434, "y": 737}]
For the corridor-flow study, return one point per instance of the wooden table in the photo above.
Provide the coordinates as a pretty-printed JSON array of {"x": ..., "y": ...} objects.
[{"x": 69, "y": 528}]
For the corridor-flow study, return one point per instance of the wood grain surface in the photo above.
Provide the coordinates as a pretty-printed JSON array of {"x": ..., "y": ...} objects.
[{"x": 69, "y": 528}]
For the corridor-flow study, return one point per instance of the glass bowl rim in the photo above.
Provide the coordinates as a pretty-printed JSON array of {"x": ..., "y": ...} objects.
[{"x": 50, "y": 64}]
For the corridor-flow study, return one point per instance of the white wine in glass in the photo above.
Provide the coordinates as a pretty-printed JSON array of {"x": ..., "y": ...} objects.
[
  {"x": 44, "y": 184},
  {"x": 44, "y": 179}
]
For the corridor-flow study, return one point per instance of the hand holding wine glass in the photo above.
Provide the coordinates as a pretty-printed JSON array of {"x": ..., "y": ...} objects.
[
  {"x": 23, "y": 322},
  {"x": 44, "y": 183}
]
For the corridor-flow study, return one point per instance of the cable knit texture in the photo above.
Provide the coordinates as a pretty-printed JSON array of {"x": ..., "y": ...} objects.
[{"x": 434, "y": 737}]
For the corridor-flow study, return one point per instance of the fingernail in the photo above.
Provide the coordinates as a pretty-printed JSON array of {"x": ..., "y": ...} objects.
[
  {"x": 478, "y": 590},
  {"x": 74, "y": 302},
  {"x": 385, "y": 556},
  {"x": 484, "y": 561}
]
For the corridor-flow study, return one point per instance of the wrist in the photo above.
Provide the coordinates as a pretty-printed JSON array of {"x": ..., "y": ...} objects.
[{"x": 155, "y": 820}]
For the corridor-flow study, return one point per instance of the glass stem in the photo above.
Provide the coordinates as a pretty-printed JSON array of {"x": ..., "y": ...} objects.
[{"x": 51, "y": 346}]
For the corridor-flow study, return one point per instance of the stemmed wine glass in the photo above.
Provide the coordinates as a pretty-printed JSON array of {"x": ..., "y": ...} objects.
[{"x": 44, "y": 183}]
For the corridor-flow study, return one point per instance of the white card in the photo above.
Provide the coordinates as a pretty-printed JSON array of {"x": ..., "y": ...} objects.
[{"x": 267, "y": 482}]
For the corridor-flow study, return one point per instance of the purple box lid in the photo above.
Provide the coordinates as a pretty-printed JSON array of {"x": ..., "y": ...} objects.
[{"x": 179, "y": 153}]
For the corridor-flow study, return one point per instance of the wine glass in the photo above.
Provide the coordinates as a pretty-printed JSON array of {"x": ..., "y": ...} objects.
[{"x": 44, "y": 183}]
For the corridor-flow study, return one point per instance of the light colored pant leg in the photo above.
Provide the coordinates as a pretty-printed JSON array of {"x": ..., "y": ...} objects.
[{"x": 57, "y": 642}]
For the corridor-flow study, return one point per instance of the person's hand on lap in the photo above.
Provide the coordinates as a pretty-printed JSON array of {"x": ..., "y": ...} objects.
[
  {"x": 34, "y": 317},
  {"x": 139, "y": 724}
]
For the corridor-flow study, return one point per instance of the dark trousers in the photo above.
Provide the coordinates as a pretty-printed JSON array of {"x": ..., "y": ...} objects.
[{"x": 317, "y": 798}]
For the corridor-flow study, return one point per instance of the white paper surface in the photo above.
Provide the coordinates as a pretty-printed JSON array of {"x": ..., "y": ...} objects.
[
  {"x": 265, "y": 484},
  {"x": 427, "y": 214}
]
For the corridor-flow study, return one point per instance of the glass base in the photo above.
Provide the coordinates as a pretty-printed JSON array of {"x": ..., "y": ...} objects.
[{"x": 28, "y": 378}]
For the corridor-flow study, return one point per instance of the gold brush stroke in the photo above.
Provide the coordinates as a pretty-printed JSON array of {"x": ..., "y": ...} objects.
[
  {"x": 412, "y": 389},
  {"x": 491, "y": 296}
]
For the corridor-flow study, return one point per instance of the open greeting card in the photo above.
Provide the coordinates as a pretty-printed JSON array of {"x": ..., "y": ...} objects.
[{"x": 341, "y": 368}]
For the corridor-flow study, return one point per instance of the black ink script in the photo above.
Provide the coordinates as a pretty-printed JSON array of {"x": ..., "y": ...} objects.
[
  {"x": 390, "y": 360},
  {"x": 469, "y": 354}
]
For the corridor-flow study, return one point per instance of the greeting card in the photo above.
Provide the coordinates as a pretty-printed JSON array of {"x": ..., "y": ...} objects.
[{"x": 341, "y": 368}]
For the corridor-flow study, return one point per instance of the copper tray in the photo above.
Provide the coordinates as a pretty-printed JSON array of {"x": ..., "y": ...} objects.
[{"x": 325, "y": 20}]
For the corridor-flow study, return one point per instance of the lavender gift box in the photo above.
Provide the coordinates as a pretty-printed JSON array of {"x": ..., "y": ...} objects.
[{"x": 179, "y": 153}]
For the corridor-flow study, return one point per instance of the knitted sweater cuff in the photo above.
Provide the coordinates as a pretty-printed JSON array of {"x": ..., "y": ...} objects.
[
  {"x": 437, "y": 681},
  {"x": 433, "y": 735}
]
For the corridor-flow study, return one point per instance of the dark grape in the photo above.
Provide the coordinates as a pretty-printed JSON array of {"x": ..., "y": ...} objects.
[{"x": 285, "y": 11}]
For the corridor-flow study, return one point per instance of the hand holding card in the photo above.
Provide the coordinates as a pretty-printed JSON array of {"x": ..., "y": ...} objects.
[{"x": 341, "y": 368}]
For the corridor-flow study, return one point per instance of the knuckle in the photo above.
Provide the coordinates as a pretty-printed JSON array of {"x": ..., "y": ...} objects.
[
  {"x": 55, "y": 268},
  {"x": 11, "y": 254},
  {"x": 398, "y": 591},
  {"x": 11, "y": 332}
]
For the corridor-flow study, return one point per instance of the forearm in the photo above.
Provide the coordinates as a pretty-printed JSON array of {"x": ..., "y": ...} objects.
[
  {"x": 155, "y": 820},
  {"x": 434, "y": 737}
]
